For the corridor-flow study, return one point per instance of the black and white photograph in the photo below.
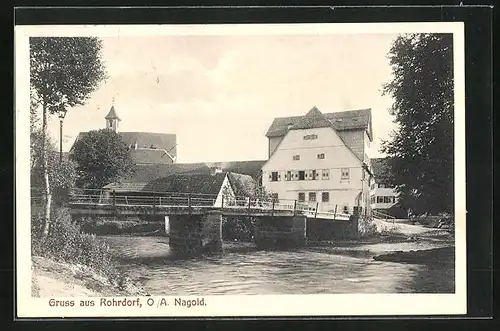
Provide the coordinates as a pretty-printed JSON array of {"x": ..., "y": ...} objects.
[{"x": 205, "y": 170}]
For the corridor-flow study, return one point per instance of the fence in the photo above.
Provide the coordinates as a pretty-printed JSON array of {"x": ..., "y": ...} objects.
[{"x": 178, "y": 199}]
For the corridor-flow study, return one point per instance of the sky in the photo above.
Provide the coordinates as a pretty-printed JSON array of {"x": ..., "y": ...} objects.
[{"x": 220, "y": 93}]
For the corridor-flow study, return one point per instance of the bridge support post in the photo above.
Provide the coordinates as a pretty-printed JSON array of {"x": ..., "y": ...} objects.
[
  {"x": 195, "y": 234},
  {"x": 329, "y": 230},
  {"x": 211, "y": 232},
  {"x": 280, "y": 231}
]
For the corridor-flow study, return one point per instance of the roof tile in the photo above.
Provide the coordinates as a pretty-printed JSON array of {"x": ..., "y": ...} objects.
[{"x": 345, "y": 120}]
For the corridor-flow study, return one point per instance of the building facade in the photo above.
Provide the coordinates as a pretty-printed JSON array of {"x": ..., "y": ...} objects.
[
  {"x": 383, "y": 196},
  {"x": 320, "y": 160}
]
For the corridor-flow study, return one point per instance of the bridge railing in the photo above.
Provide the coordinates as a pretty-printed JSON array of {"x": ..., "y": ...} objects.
[{"x": 180, "y": 199}]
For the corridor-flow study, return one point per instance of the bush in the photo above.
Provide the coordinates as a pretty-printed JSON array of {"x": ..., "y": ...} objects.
[
  {"x": 241, "y": 228},
  {"x": 67, "y": 243},
  {"x": 366, "y": 227},
  {"x": 111, "y": 226}
]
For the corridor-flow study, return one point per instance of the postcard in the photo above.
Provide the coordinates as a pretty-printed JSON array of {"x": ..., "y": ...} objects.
[{"x": 240, "y": 170}]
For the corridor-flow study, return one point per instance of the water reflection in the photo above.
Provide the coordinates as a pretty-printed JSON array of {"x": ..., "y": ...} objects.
[{"x": 244, "y": 270}]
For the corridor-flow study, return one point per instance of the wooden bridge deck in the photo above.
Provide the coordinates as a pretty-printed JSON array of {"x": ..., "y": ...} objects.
[{"x": 156, "y": 203}]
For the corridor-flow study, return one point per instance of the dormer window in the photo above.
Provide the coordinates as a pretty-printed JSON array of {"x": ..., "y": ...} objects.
[{"x": 310, "y": 137}]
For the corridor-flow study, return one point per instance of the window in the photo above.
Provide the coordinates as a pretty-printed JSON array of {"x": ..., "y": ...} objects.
[
  {"x": 302, "y": 175},
  {"x": 274, "y": 196},
  {"x": 312, "y": 196},
  {"x": 380, "y": 199},
  {"x": 346, "y": 210},
  {"x": 321, "y": 156},
  {"x": 344, "y": 173},
  {"x": 288, "y": 175},
  {"x": 325, "y": 174},
  {"x": 274, "y": 176},
  {"x": 314, "y": 175},
  {"x": 310, "y": 137},
  {"x": 325, "y": 197},
  {"x": 302, "y": 197},
  {"x": 386, "y": 199},
  {"x": 296, "y": 157}
]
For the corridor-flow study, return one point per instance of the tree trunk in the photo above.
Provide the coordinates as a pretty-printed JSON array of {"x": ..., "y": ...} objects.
[{"x": 47, "y": 193}]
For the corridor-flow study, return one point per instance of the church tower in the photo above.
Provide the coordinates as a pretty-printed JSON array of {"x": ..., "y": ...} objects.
[{"x": 112, "y": 119}]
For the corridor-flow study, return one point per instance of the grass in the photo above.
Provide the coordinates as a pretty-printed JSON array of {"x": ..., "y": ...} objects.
[{"x": 67, "y": 243}]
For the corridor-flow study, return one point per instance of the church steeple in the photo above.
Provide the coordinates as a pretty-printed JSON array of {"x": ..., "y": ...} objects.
[{"x": 112, "y": 119}]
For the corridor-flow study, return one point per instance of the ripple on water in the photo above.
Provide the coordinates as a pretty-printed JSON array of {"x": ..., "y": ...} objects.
[{"x": 268, "y": 272}]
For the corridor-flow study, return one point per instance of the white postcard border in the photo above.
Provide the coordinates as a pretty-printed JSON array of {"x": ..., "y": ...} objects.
[{"x": 240, "y": 305}]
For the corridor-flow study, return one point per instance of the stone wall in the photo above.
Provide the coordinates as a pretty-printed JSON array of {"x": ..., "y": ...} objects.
[{"x": 326, "y": 230}]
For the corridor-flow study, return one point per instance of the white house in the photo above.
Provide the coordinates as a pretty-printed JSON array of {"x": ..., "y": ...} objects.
[
  {"x": 320, "y": 159},
  {"x": 383, "y": 196}
]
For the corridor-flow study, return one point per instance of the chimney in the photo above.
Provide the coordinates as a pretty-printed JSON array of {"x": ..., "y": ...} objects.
[{"x": 215, "y": 170}]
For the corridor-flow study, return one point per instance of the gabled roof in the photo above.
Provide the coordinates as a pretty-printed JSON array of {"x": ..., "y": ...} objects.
[
  {"x": 112, "y": 114},
  {"x": 313, "y": 119},
  {"x": 188, "y": 183},
  {"x": 147, "y": 172},
  {"x": 151, "y": 156},
  {"x": 345, "y": 120},
  {"x": 252, "y": 168},
  {"x": 126, "y": 187},
  {"x": 164, "y": 141},
  {"x": 161, "y": 141}
]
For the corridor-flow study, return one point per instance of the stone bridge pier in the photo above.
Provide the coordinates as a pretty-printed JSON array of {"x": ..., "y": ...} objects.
[
  {"x": 279, "y": 231},
  {"x": 195, "y": 234}
]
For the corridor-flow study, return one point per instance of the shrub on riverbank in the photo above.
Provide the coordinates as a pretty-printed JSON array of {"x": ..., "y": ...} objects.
[
  {"x": 369, "y": 227},
  {"x": 110, "y": 226},
  {"x": 67, "y": 243},
  {"x": 241, "y": 228}
]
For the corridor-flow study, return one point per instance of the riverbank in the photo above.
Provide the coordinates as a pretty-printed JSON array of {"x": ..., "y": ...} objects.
[
  {"x": 56, "y": 279},
  {"x": 440, "y": 256}
]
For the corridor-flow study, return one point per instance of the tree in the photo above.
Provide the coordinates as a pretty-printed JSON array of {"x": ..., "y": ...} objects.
[
  {"x": 421, "y": 148},
  {"x": 63, "y": 74},
  {"x": 61, "y": 175},
  {"x": 102, "y": 157}
]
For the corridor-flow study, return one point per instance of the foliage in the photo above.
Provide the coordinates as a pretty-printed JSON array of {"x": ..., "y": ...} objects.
[
  {"x": 62, "y": 175},
  {"x": 64, "y": 71},
  {"x": 366, "y": 227},
  {"x": 102, "y": 158},
  {"x": 67, "y": 243},
  {"x": 240, "y": 228},
  {"x": 421, "y": 149},
  {"x": 110, "y": 226}
]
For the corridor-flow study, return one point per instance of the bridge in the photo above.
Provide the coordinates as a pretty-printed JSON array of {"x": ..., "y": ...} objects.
[{"x": 194, "y": 220}]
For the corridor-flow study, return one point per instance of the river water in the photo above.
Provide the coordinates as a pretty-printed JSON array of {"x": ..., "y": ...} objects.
[{"x": 242, "y": 269}]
